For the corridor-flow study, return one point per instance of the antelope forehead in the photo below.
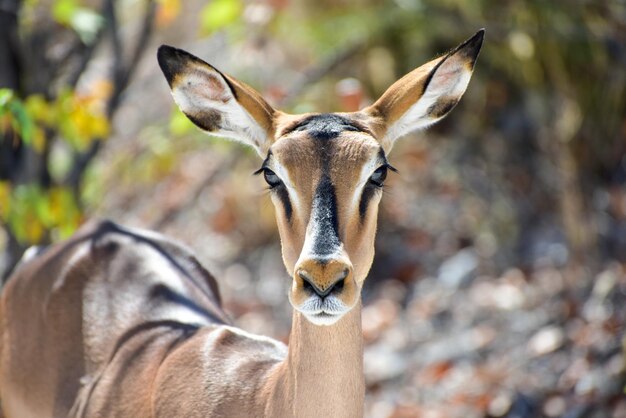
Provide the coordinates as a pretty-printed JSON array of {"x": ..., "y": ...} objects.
[
  {"x": 320, "y": 151},
  {"x": 326, "y": 126}
]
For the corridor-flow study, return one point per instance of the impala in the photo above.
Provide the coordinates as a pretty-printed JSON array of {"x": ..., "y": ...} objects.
[{"x": 118, "y": 322}]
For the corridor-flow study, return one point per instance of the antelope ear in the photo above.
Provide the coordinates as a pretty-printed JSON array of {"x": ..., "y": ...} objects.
[
  {"x": 215, "y": 102},
  {"x": 427, "y": 94}
]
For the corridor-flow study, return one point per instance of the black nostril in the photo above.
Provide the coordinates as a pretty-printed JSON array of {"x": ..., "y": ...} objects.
[
  {"x": 338, "y": 286},
  {"x": 308, "y": 285}
]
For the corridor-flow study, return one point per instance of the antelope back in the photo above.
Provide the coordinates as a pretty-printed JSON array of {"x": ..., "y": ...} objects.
[{"x": 72, "y": 307}]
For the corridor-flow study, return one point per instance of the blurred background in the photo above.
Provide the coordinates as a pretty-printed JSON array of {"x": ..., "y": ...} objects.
[{"x": 499, "y": 284}]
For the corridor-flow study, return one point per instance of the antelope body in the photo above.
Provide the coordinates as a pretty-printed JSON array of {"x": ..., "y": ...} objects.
[{"x": 124, "y": 323}]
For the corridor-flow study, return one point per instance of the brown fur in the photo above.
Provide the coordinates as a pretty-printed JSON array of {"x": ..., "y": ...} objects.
[{"x": 403, "y": 93}]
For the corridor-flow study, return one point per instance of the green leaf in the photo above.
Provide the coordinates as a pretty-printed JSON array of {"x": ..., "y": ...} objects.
[
  {"x": 17, "y": 116},
  {"x": 38, "y": 108},
  {"x": 34, "y": 213},
  {"x": 22, "y": 122},
  {"x": 24, "y": 215},
  {"x": 5, "y": 199},
  {"x": 63, "y": 10},
  {"x": 6, "y": 95},
  {"x": 219, "y": 13}
]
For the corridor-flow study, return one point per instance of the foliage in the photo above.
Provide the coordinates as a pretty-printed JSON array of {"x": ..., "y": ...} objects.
[
  {"x": 52, "y": 122},
  {"x": 14, "y": 116},
  {"x": 31, "y": 210},
  {"x": 83, "y": 20},
  {"x": 219, "y": 14},
  {"x": 529, "y": 90}
]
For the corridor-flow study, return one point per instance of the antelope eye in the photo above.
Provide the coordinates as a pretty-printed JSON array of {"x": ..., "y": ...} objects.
[
  {"x": 271, "y": 178},
  {"x": 379, "y": 176}
]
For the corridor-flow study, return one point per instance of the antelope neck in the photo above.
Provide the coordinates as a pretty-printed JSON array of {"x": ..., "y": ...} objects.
[{"x": 322, "y": 375}]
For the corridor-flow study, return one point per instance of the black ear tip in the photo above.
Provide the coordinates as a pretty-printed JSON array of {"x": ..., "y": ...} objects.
[
  {"x": 163, "y": 50},
  {"x": 471, "y": 47},
  {"x": 480, "y": 35},
  {"x": 171, "y": 60},
  {"x": 164, "y": 53},
  {"x": 476, "y": 41},
  {"x": 174, "y": 60}
]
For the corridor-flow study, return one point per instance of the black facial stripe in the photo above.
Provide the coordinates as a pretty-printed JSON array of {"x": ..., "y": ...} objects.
[
  {"x": 366, "y": 196},
  {"x": 369, "y": 190},
  {"x": 280, "y": 190},
  {"x": 283, "y": 195},
  {"x": 324, "y": 214},
  {"x": 325, "y": 126}
]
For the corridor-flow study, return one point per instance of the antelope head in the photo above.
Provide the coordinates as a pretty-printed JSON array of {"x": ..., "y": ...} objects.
[{"x": 325, "y": 171}]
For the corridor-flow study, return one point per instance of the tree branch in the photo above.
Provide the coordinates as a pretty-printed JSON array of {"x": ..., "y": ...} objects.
[
  {"x": 122, "y": 74},
  {"x": 129, "y": 69},
  {"x": 86, "y": 53}
]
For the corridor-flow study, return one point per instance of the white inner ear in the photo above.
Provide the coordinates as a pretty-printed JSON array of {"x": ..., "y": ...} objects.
[
  {"x": 202, "y": 92},
  {"x": 449, "y": 81}
]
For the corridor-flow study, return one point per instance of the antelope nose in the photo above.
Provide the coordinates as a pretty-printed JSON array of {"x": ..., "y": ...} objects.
[
  {"x": 309, "y": 284},
  {"x": 323, "y": 278}
]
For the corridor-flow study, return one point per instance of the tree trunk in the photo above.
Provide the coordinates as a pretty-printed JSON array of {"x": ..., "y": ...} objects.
[{"x": 11, "y": 151}]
